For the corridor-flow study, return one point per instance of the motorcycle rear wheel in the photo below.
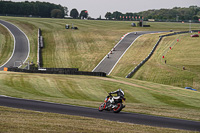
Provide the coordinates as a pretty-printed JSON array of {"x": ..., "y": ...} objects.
[{"x": 118, "y": 108}]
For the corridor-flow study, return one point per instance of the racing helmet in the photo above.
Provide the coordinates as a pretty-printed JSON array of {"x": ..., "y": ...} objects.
[{"x": 121, "y": 91}]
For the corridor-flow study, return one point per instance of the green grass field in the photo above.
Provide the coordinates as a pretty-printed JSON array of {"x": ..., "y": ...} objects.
[
  {"x": 6, "y": 45},
  {"x": 84, "y": 48},
  {"x": 142, "y": 97}
]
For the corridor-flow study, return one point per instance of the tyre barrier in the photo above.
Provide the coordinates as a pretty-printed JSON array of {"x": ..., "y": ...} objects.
[
  {"x": 153, "y": 50},
  {"x": 67, "y": 71}
]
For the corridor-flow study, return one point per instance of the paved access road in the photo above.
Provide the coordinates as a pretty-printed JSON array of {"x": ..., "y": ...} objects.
[
  {"x": 94, "y": 113},
  {"x": 21, "y": 46},
  {"x": 107, "y": 64}
]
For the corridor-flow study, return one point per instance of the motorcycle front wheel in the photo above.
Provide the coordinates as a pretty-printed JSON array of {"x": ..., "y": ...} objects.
[
  {"x": 101, "y": 107},
  {"x": 118, "y": 108}
]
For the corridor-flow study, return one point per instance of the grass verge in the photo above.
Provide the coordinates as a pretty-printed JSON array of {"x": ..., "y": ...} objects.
[
  {"x": 6, "y": 45},
  {"x": 18, "y": 120}
]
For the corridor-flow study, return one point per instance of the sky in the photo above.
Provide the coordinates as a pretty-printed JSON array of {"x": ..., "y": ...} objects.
[{"x": 96, "y": 8}]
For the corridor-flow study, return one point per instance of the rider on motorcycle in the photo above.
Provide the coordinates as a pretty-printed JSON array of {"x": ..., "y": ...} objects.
[
  {"x": 114, "y": 103},
  {"x": 119, "y": 93}
]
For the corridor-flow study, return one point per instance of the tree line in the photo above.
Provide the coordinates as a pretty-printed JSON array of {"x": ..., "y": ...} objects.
[
  {"x": 46, "y": 9},
  {"x": 75, "y": 14},
  {"x": 39, "y": 9},
  {"x": 174, "y": 14}
]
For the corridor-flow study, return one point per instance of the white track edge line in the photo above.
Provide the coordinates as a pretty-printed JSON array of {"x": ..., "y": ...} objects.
[
  {"x": 15, "y": 43},
  {"x": 109, "y": 52},
  {"x": 13, "y": 48},
  {"x": 128, "y": 48},
  {"x": 27, "y": 40},
  {"x": 123, "y": 54}
]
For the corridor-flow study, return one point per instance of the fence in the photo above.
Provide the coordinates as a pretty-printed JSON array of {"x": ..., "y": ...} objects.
[
  {"x": 69, "y": 71},
  {"x": 153, "y": 50}
]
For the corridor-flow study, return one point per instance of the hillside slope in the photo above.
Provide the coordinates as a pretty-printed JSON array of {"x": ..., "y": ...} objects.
[
  {"x": 142, "y": 97},
  {"x": 184, "y": 52},
  {"x": 83, "y": 48}
]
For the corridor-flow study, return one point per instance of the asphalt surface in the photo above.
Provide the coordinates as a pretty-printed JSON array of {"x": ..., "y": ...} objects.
[
  {"x": 107, "y": 64},
  {"x": 21, "y": 46},
  {"x": 94, "y": 113}
]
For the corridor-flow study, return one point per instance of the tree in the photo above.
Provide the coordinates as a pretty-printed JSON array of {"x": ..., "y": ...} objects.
[
  {"x": 74, "y": 13},
  {"x": 66, "y": 10},
  {"x": 108, "y": 15},
  {"x": 129, "y": 16},
  {"x": 84, "y": 14},
  {"x": 98, "y": 18},
  {"x": 195, "y": 17},
  {"x": 57, "y": 13},
  {"x": 116, "y": 15}
]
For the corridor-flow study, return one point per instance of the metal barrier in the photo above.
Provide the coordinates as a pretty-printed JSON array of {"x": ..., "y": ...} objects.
[{"x": 69, "y": 71}]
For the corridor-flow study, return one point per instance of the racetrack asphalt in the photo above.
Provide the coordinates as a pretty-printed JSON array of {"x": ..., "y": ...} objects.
[
  {"x": 107, "y": 64},
  {"x": 21, "y": 46},
  {"x": 94, "y": 113}
]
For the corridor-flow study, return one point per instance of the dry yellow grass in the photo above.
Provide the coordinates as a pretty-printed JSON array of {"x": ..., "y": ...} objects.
[
  {"x": 83, "y": 48},
  {"x": 18, "y": 120},
  {"x": 183, "y": 53}
]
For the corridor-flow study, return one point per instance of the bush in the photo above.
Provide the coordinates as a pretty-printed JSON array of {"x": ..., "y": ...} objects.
[{"x": 57, "y": 13}]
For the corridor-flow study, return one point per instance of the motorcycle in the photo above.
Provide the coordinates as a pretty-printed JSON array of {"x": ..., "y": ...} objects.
[{"x": 116, "y": 106}]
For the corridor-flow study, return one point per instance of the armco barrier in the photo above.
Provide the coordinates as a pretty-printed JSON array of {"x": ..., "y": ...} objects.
[
  {"x": 154, "y": 48},
  {"x": 69, "y": 71},
  {"x": 60, "y": 69},
  {"x": 145, "y": 60}
]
